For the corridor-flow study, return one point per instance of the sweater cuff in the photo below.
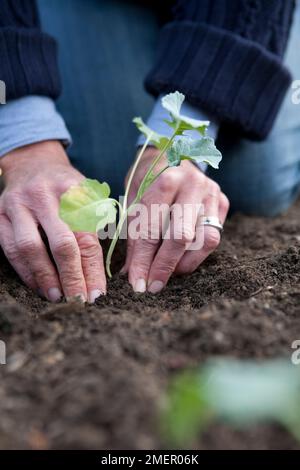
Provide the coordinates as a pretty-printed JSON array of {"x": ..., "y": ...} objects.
[
  {"x": 32, "y": 69},
  {"x": 30, "y": 120},
  {"x": 233, "y": 78}
]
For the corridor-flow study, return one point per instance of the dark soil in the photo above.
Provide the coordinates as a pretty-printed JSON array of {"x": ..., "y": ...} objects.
[{"x": 93, "y": 377}]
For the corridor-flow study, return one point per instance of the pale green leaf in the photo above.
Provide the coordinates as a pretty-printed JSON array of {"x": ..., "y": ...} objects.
[
  {"x": 239, "y": 393},
  {"x": 159, "y": 141},
  {"x": 87, "y": 207},
  {"x": 247, "y": 392},
  {"x": 173, "y": 103},
  {"x": 203, "y": 150},
  {"x": 185, "y": 412}
]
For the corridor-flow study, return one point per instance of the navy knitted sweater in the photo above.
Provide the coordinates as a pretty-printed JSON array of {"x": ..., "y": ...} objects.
[{"x": 224, "y": 55}]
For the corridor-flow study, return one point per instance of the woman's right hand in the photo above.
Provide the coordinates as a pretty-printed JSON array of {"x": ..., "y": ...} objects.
[{"x": 35, "y": 176}]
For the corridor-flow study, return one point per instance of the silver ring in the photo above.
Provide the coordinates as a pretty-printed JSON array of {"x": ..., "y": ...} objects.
[{"x": 213, "y": 222}]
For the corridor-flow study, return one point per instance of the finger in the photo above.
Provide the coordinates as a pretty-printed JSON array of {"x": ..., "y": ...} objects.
[
  {"x": 10, "y": 250},
  {"x": 129, "y": 251},
  {"x": 155, "y": 214},
  {"x": 192, "y": 259},
  {"x": 66, "y": 253},
  {"x": 92, "y": 265},
  {"x": 181, "y": 234},
  {"x": 34, "y": 253},
  {"x": 223, "y": 208}
]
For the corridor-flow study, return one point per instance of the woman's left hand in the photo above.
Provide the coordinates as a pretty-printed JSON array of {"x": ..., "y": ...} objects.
[{"x": 151, "y": 261}]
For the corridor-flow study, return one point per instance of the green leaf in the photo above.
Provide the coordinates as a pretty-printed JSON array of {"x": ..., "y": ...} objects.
[
  {"x": 248, "y": 392},
  {"x": 188, "y": 124},
  {"x": 159, "y": 141},
  {"x": 239, "y": 393},
  {"x": 203, "y": 150},
  {"x": 87, "y": 206},
  {"x": 178, "y": 150},
  {"x": 173, "y": 103},
  {"x": 185, "y": 412}
]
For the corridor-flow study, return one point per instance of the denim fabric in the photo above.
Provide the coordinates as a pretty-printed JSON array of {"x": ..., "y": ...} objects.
[{"x": 106, "y": 49}]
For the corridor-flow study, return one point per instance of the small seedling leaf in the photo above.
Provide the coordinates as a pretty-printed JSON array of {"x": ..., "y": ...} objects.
[
  {"x": 159, "y": 141},
  {"x": 180, "y": 123},
  {"x": 203, "y": 150},
  {"x": 87, "y": 206}
]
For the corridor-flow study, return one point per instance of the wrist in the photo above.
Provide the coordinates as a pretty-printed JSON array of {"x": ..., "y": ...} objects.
[{"x": 33, "y": 154}]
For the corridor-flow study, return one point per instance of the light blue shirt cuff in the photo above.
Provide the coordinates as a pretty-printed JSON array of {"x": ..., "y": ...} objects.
[
  {"x": 30, "y": 120},
  {"x": 156, "y": 123}
]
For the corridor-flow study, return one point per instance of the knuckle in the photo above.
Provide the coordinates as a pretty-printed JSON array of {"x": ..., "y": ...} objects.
[
  {"x": 11, "y": 199},
  {"x": 11, "y": 252},
  {"x": 43, "y": 274},
  {"x": 168, "y": 182},
  {"x": 38, "y": 190},
  {"x": 214, "y": 187},
  {"x": 91, "y": 254},
  {"x": 27, "y": 246},
  {"x": 212, "y": 239},
  {"x": 72, "y": 282},
  {"x": 65, "y": 246},
  {"x": 65, "y": 184},
  {"x": 179, "y": 240},
  {"x": 197, "y": 178},
  {"x": 89, "y": 245},
  {"x": 38, "y": 195},
  {"x": 184, "y": 236},
  {"x": 225, "y": 202},
  {"x": 163, "y": 270}
]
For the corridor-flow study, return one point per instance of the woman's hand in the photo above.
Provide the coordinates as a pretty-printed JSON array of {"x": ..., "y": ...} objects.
[
  {"x": 150, "y": 261},
  {"x": 35, "y": 176}
]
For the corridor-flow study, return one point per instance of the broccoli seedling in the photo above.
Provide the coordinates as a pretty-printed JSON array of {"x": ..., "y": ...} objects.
[
  {"x": 88, "y": 207},
  {"x": 238, "y": 393}
]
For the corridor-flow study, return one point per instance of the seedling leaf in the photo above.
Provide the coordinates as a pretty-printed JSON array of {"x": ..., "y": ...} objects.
[
  {"x": 241, "y": 393},
  {"x": 180, "y": 123},
  {"x": 159, "y": 141},
  {"x": 203, "y": 150},
  {"x": 87, "y": 206},
  {"x": 172, "y": 103}
]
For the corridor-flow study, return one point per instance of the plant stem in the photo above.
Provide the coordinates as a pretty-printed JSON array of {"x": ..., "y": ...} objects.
[
  {"x": 134, "y": 168},
  {"x": 114, "y": 242},
  {"x": 124, "y": 212},
  {"x": 157, "y": 159}
]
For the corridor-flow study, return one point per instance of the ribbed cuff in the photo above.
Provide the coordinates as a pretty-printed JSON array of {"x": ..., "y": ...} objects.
[
  {"x": 32, "y": 69},
  {"x": 233, "y": 78}
]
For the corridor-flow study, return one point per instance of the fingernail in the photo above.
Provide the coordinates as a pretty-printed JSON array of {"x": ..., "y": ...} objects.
[
  {"x": 80, "y": 298},
  {"x": 156, "y": 287},
  {"x": 93, "y": 295},
  {"x": 140, "y": 286},
  {"x": 54, "y": 295}
]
